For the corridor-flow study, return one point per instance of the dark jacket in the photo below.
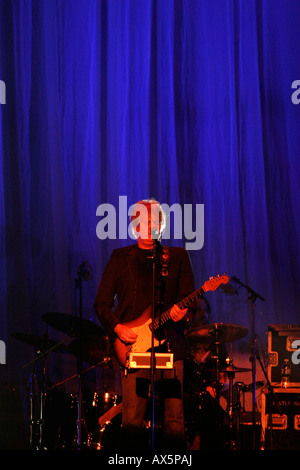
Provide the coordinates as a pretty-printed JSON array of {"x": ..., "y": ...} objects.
[{"x": 117, "y": 293}]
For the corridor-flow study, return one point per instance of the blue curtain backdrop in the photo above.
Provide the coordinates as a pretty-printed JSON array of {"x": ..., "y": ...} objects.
[{"x": 188, "y": 101}]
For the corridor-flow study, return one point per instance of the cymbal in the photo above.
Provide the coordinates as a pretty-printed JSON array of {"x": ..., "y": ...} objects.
[
  {"x": 230, "y": 368},
  {"x": 94, "y": 350},
  {"x": 224, "y": 332},
  {"x": 250, "y": 387},
  {"x": 72, "y": 325},
  {"x": 233, "y": 368},
  {"x": 40, "y": 342}
]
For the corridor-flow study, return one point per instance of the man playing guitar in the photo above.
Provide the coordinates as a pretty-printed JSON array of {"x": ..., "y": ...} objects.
[{"x": 128, "y": 279}]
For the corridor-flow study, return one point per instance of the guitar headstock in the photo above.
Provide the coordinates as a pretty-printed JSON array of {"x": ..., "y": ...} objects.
[{"x": 215, "y": 281}]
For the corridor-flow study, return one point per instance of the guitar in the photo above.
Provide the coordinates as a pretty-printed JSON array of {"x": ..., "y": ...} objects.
[{"x": 143, "y": 325}]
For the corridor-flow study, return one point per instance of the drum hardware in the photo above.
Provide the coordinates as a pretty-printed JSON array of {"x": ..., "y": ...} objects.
[
  {"x": 93, "y": 347},
  {"x": 98, "y": 413},
  {"x": 240, "y": 387},
  {"x": 215, "y": 334},
  {"x": 74, "y": 376},
  {"x": 109, "y": 406},
  {"x": 43, "y": 347},
  {"x": 75, "y": 326},
  {"x": 231, "y": 370},
  {"x": 249, "y": 387},
  {"x": 36, "y": 412},
  {"x": 84, "y": 273},
  {"x": 109, "y": 415},
  {"x": 206, "y": 334}
]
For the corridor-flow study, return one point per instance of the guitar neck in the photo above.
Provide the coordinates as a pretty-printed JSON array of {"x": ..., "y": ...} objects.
[{"x": 184, "y": 303}]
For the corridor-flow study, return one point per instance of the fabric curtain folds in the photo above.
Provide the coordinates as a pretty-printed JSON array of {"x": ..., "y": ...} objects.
[{"x": 186, "y": 101}]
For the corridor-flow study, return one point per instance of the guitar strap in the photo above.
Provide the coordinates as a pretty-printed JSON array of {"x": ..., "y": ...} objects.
[{"x": 164, "y": 256}]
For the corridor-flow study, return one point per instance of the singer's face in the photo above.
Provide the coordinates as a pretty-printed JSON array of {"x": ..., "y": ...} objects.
[{"x": 149, "y": 225}]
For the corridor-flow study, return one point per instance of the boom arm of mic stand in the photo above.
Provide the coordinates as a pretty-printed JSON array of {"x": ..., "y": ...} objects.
[{"x": 253, "y": 294}]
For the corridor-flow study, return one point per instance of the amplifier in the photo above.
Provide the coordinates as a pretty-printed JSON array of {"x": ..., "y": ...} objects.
[
  {"x": 280, "y": 419},
  {"x": 284, "y": 343},
  {"x": 143, "y": 360}
]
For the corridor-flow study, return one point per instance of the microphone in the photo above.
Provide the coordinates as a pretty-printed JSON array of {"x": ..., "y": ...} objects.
[
  {"x": 85, "y": 271},
  {"x": 228, "y": 289},
  {"x": 155, "y": 234}
]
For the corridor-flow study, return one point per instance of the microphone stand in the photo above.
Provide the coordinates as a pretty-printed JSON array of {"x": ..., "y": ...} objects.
[
  {"x": 152, "y": 363},
  {"x": 78, "y": 285},
  {"x": 83, "y": 273},
  {"x": 252, "y": 297},
  {"x": 273, "y": 402}
]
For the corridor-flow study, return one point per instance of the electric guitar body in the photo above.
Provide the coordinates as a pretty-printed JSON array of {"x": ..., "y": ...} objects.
[
  {"x": 144, "y": 326},
  {"x": 141, "y": 326}
]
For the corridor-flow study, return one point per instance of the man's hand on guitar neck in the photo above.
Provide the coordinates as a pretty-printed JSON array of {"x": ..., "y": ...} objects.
[
  {"x": 177, "y": 313},
  {"x": 125, "y": 334}
]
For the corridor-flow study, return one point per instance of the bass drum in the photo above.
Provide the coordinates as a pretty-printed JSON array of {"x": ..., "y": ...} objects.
[
  {"x": 99, "y": 420},
  {"x": 60, "y": 420},
  {"x": 204, "y": 421},
  {"x": 103, "y": 420}
]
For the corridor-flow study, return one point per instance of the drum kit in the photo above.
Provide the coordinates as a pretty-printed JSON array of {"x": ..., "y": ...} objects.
[
  {"x": 53, "y": 414},
  {"x": 54, "y": 420}
]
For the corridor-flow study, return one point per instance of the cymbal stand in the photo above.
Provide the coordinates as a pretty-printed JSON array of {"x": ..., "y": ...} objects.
[
  {"x": 232, "y": 406},
  {"x": 32, "y": 407},
  {"x": 42, "y": 404},
  {"x": 239, "y": 386},
  {"x": 231, "y": 377},
  {"x": 215, "y": 332},
  {"x": 36, "y": 418},
  {"x": 252, "y": 297}
]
